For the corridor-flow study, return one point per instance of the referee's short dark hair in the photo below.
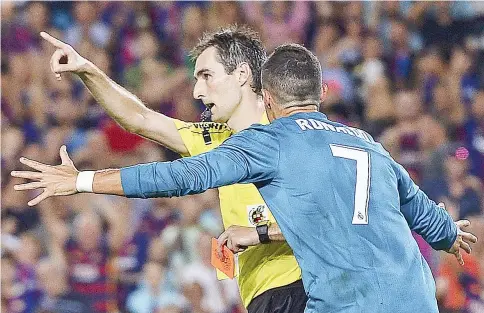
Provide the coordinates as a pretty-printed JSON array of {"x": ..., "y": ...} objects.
[
  {"x": 292, "y": 74},
  {"x": 235, "y": 45}
]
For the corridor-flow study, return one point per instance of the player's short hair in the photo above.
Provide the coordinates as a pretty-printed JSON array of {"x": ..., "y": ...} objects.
[
  {"x": 235, "y": 45},
  {"x": 293, "y": 76}
]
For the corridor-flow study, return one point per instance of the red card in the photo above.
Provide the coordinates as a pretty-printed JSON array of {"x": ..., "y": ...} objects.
[{"x": 226, "y": 264}]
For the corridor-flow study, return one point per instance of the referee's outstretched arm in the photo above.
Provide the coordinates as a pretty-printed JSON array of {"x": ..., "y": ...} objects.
[{"x": 123, "y": 106}]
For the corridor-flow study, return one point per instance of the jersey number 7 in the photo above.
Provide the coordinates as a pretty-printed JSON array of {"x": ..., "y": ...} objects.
[{"x": 362, "y": 158}]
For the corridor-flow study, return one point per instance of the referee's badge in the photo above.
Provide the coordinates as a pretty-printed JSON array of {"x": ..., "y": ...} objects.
[{"x": 257, "y": 213}]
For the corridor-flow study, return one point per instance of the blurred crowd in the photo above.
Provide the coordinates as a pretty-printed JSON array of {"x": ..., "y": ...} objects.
[{"x": 410, "y": 73}]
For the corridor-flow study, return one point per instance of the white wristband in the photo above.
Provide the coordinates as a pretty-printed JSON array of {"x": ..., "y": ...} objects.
[{"x": 84, "y": 181}]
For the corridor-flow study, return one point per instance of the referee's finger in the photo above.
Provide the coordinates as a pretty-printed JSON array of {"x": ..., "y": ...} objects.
[
  {"x": 230, "y": 245},
  {"x": 221, "y": 240},
  {"x": 54, "y": 41},
  {"x": 56, "y": 66}
]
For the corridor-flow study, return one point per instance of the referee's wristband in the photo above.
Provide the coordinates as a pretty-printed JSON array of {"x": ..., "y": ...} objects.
[{"x": 84, "y": 181}]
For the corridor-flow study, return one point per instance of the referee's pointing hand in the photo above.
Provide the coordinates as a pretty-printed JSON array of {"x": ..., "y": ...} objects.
[
  {"x": 57, "y": 180},
  {"x": 65, "y": 58}
]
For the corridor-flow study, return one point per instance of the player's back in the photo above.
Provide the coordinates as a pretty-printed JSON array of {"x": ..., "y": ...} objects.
[{"x": 345, "y": 225}]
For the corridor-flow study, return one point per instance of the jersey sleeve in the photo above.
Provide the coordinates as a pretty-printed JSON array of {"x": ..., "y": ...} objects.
[
  {"x": 423, "y": 215},
  {"x": 202, "y": 137},
  {"x": 247, "y": 157}
]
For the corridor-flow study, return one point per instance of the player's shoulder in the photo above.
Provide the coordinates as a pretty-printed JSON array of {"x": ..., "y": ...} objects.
[
  {"x": 262, "y": 128},
  {"x": 256, "y": 134}
]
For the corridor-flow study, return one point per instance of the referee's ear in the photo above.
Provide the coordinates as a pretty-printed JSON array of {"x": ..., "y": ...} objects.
[{"x": 243, "y": 73}]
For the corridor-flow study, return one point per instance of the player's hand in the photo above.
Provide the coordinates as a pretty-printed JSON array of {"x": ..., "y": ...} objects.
[
  {"x": 59, "y": 180},
  {"x": 58, "y": 63},
  {"x": 238, "y": 238},
  {"x": 463, "y": 241}
]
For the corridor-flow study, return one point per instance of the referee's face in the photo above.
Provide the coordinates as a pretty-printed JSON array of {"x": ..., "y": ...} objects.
[{"x": 219, "y": 91}]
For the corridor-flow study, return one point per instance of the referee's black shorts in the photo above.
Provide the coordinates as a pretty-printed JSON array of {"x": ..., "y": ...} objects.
[{"x": 286, "y": 299}]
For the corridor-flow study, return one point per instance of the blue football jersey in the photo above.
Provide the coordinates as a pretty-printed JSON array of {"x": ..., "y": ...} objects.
[{"x": 344, "y": 205}]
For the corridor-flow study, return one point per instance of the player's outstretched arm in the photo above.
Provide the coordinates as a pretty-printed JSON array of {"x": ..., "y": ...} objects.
[
  {"x": 61, "y": 180},
  {"x": 158, "y": 179},
  {"x": 242, "y": 158},
  {"x": 120, "y": 104},
  {"x": 430, "y": 220}
]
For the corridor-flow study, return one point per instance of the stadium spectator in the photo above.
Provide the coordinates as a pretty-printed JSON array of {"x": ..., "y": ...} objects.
[
  {"x": 460, "y": 191},
  {"x": 279, "y": 22},
  {"x": 86, "y": 254},
  {"x": 415, "y": 135},
  {"x": 58, "y": 297},
  {"x": 155, "y": 292},
  {"x": 22, "y": 290},
  {"x": 86, "y": 24},
  {"x": 474, "y": 135}
]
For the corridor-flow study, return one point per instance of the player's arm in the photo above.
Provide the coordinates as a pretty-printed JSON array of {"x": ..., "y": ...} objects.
[
  {"x": 430, "y": 220},
  {"x": 250, "y": 156},
  {"x": 124, "y": 107}
]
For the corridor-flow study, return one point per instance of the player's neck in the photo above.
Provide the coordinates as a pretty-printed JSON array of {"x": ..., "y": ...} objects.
[
  {"x": 294, "y": 110},
  {"x": 248, "y": 112}
]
